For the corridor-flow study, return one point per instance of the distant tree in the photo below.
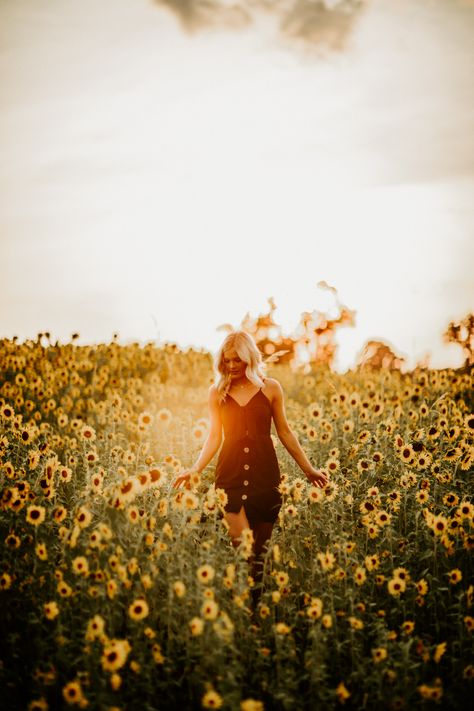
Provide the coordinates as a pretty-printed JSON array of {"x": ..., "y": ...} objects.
[
  {"x": 462, "y": 333},
  {"x": 377, "y": 354},
  {"x": 320, "y": 23},
  {"x": 312, "y": 342}
]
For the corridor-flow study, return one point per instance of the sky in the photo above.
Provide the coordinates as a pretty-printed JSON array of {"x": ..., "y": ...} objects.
[{"x": 164, "y": 172}]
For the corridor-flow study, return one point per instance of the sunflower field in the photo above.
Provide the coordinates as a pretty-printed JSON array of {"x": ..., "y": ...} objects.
[{"x": 118, "y": 592}]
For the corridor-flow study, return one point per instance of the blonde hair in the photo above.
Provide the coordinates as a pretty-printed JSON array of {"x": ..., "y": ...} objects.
[{"x": 247, "y": 350}]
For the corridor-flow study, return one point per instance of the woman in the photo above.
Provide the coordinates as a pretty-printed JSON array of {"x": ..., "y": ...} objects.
[{"x": 244, "y": 402}]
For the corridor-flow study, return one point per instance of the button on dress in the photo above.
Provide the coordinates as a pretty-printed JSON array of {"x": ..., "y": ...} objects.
[{"x": 247, "y": 467}]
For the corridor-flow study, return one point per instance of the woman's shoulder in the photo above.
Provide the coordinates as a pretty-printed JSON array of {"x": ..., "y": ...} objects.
[
  {"x": 213, "y": 396},
  {"x": 272, "y": 384}
]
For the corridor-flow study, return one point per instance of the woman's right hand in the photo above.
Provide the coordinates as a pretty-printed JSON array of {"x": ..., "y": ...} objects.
[{"x": 184, "y": 477}]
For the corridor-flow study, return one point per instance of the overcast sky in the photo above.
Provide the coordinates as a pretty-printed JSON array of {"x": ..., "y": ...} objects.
[{"x": 160, "y": 177}]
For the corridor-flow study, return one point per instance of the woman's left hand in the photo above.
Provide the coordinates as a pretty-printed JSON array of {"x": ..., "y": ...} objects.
[{"x": 317, "y": 477}]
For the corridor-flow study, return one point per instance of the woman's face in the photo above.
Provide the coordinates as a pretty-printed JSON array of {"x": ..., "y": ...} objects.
[{"x": 233, "y": 364}]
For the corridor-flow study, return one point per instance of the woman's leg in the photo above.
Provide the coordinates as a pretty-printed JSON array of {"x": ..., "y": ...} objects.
[
  {"x": 237, "y": 522},
  {"x": 262, "y": 532}
]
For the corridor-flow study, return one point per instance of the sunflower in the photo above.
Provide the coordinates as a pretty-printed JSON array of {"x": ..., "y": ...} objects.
[
  {"x": 164, "y": 416},
  {"x": 465, "y": 510},
  {"x": 149, "y": 633},
  {"x": 355, "y": 622},
  {"x": 35, "y": 514},
  {"x": 367, "y": 507},
  {"x": 179, "y": 588},
  {"x": 88, "y": 433},
  {"x": 291, "y": 510},
  {"x": 424, "y": 460},
  {"x": 402, "y": 574},
  {"x": 41, "y": 551},
  {"x": 348, "y": 426},
  {"x": 80, "y": 565},
  {"x": 469, "y": 423},
  {"x": 111, "y": 589},
  {"x": 115, "y": 681},
  {"x": 59, "y": 513},
  {"x": 422, "y": 586},
  {"x": 394, "y": 497},
  {"x": 315, "y": 495},
  {"x": 364, "y": 436},
  {"x": 205, "y": 573},
  {"x": 439, "y": 651},
  {"x": 51, "y": 610},
  {"x": 383, "y": 518},
  {"x": 198, "y": 433},
  {"x": 342, "y": 693},
  {"x": 133, "y": 514},
  {"x": 407, "y": 627},
  {"x": 83, "y": 516},
  {"x": 211, "y": 700},
  {"x": 315, "y": 410},
  {"x": 210, "y": 610},
  {"x": 190, "y": 501},
  {"x": 314, "y": 610},
  {"x": 139, "y": 609},
  {"x": 422, "y": 496},
  {"x": 156, "y": 476},
  {"x": 33, "y": 459},
  {"x": 396, "y": 586},
  {"x": 372, "y": 562},
  {"x": 360, "y": 575},
  {"x": 440, "y": 524},
  {"x": 433, "y": 693},
  {"x": 364, "y": 466},
  {"x": 379, "y": 654},
  {"x": 72, "y": 693},
  {"x": 433, "y": 433},
  {"x": 105, "y": 531},
  {"x": 12, "y": 541},
  {"x": 281, "y": 578},
  {"x": 38, "y": 705},
  {"x": 467, "y": 460},
  {"x": 451, "y": 499},
  {"x": 7, "y": 413},
  {"x": 115, "y": 654},
  {"x": 95, "y": 628},
  {"x": 145, "y": 419},
  {"x": 326, "y": 560},
  {"x": 407, "y": 454},
  {"x": 373, "y": 530},
  {"x": 158, "y": 657},
  {"x": 196, "y": 625},
  {"x": 468, "y": 672},
  {"x": 65, "y": 474},
  {"x": 333, "y": 465},
  {"x": 453, "y": 454},
  {"x": 64, "y": 589},
  {"x": 455, "y": 576}
]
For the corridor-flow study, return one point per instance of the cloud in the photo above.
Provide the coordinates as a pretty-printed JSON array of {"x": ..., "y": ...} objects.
[{"x": 318, "y": 23}]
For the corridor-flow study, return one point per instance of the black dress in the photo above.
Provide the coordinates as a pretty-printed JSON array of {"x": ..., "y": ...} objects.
[{"x": 247, "y": 467}]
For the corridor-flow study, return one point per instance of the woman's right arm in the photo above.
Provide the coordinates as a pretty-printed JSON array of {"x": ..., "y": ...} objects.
[{"x": 212, "y": 443}]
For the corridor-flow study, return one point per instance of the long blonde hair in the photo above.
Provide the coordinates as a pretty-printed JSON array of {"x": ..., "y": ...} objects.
[{"x": 247, "y": 350}]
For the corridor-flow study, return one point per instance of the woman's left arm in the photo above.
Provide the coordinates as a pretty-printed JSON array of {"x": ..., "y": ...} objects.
[{"x": 289, "y": 440}]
